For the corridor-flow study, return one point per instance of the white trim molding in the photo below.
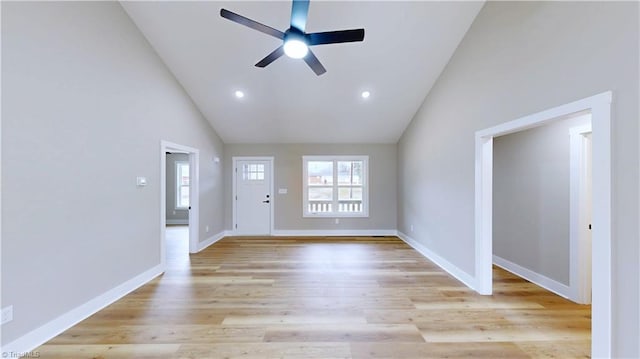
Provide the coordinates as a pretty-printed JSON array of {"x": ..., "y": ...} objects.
[
  {"x": 333, "y": 232},
  {"x": 536, "y": 278},
  {"x": 599, "y": 106},
  {"x": 449, "y": 267},
  {"x": 211, "y": 240},
  {"x": 41, "y": 335}
]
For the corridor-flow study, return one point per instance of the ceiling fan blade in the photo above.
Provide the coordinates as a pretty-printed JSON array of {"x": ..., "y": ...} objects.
[
  {"x": 251, "y": 23},
  {"x": 299, "y": 12},
  {"x": 314, "y": 63},
  {"x": 333, "y": 37},
  {"x": 273, "y": 56}
]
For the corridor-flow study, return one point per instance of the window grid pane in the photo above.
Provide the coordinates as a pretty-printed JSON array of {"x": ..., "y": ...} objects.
[
  {"x": 350, "y": 172},
  {"x": 253, "y": 172},
  {"x": 319, "y": 173},
  {"x": 183, "y": 197}
]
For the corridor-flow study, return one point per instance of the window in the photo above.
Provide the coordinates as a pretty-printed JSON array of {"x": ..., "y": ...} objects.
[
  {"x": 335, "y": 186},
  {"x": 253, "y": 172},
  {"x": 182, "y": 185}
]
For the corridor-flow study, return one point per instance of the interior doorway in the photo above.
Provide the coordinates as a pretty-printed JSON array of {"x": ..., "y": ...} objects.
[
  {"x": 186, "y": 192},
  {"x": 178, "y": 187},
  {"x": 534, "y": 174},
  {"x": 599, "y": 106}
]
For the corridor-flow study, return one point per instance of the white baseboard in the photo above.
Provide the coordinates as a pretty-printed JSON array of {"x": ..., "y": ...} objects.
[
  {"x": 41, "y": 335},
  {"x": 177, "y": 221},
  {"x": 456, "y": 272},
  {"x": 533, "y": 277},
  {"x": 211, "y": 240},
  {"x": 334, "y": 232}
]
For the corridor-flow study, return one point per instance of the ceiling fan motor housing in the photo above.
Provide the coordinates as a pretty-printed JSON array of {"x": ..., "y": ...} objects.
[{"x": 295, "y": 43}]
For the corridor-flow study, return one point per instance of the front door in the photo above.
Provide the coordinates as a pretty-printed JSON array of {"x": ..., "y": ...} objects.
[{"x": 253, "y": 196}]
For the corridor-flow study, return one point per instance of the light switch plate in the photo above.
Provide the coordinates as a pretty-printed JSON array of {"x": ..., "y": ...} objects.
[{"x": 282, "y": 191}]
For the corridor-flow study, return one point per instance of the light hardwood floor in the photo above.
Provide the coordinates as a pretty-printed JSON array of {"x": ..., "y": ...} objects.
[{"x": 363, "y": 297}]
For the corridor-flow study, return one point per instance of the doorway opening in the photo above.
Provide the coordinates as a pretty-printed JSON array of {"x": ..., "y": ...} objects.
[
  {"x": 599, "y": 106},
  {"x": 179, "y": 198},
  {"x": 177, "y": 205},
  {"x": 542, "y": 206}
]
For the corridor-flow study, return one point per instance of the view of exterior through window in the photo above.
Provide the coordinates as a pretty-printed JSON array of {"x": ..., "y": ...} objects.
[
  {"x": 182, "y": 185},
  {"x": 335, "y": 186}
]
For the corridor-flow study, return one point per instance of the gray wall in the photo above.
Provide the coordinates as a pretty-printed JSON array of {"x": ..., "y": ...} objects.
[
  {"x": 174, "y": 215},
  {"x": 531, "y": 198},
  {"x": 85, "y": 103},
  {"x": 520, "y": 58},
  {"x": 288, "y": 174}
]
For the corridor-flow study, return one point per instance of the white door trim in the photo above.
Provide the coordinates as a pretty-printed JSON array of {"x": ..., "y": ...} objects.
[
  {"x": 194, "y": 195},
  {"x": 579, "y": 266},
  {"x": 600, "y": 108},
  {"x": 234, "y": 192}
]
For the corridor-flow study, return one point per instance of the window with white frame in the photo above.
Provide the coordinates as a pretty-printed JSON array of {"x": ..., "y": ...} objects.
[
  {"x": 335, "y": 186},
  {"x": 182, "y": 185}
]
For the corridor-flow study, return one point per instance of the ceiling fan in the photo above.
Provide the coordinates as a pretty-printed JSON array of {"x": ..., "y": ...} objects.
[{"x": 295, "y": 41}]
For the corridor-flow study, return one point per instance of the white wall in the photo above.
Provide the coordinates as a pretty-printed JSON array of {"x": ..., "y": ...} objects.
[
  {"x": 85, "y": 104},
  {"x": 288, "y": 174},
  {"x": 531, "y": 198},
  {"x": 520, "y": 58}
]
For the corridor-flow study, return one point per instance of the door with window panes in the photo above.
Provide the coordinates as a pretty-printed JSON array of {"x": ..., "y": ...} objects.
[{"x": 253, "y": 197}]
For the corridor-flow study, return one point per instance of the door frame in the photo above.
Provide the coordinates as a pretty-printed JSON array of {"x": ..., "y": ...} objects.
[
  {"x": 234, "y": 193},
  {"x": 580, "y": 281},
  {"x": 194, "y": 195},
  {"x": 600, "y": 108}
]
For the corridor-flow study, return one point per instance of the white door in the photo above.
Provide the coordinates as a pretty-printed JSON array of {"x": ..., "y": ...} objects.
[
  {"x": 580, "y": 214},
  {"x": 586, "y": 285},
  {"x": 253, "y": 196}
]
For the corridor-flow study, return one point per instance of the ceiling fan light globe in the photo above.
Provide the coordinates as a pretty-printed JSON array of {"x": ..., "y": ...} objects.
[{"x": 295, "y": 49}]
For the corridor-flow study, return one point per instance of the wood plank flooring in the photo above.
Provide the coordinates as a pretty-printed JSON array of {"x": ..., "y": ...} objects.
[{"x": 364, "y": 297}]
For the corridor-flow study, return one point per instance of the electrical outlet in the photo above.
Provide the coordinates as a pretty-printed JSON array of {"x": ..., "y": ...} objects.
[
  {"x": 206, "y": 229},
  {"x": 337, "y": 220},
  {"x": 7, "y": 314},
  {"x": 412, "y": 228}
]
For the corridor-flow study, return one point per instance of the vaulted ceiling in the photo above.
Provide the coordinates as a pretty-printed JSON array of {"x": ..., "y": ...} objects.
[{"x": 406, "y": 47}]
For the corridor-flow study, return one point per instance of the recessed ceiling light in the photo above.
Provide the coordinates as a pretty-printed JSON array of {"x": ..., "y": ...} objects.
[
  {"x": 239, "y": 94},
  {"x": 366, "y": 94}
]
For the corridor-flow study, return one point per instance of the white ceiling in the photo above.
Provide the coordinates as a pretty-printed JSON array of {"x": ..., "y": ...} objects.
[{"x": 406, "y": 46}]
